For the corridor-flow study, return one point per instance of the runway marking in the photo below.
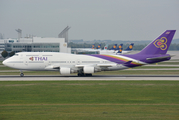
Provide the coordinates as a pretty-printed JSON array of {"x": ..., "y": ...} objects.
[{"x": 102, "y": 104}]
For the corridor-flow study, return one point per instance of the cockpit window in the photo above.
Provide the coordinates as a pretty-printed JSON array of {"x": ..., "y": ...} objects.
[{"x": 16, "y": 55}]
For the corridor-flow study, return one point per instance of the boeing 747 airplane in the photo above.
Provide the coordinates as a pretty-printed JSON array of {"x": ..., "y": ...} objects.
[{"x": 86, "y": 65}]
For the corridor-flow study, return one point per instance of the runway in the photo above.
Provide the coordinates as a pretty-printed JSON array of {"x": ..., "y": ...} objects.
[
  {"x": 95, "y": 77},
  {"x": 175, "y": 59}
]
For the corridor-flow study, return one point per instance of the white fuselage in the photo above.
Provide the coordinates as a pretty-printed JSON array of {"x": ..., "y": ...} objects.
[{"x": 64, "y": 62}]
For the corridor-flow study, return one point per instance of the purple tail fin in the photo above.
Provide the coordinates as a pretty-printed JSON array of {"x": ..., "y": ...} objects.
[{"x": 159, "y": 45}]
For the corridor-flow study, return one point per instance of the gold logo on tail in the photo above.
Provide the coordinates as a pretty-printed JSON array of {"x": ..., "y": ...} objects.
[
  {"x": 130, "y": 46},
  {"x": 161, "y": 43}
]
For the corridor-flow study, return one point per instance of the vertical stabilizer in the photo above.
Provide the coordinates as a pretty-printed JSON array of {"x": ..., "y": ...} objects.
[
  {"x": 92, "y": 47},
  {"x": 106, "y": 47},
  {"x": 99, "y": 46},
  {"x": 120, "y": 51},
  {"x": 159, "y": 45},
  {"x": 114, "y": 47},
  {"x": 119, "y": 47},
  {"x": 130, "y": 47}
]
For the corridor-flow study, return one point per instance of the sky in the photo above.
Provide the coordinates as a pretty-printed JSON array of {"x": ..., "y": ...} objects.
[{"x": 90, "y": 19}]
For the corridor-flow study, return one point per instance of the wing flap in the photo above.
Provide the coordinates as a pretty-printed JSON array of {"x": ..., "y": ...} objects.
[
  {"x": 106, "y": 65},
  {"x": 50, "y": 67}
]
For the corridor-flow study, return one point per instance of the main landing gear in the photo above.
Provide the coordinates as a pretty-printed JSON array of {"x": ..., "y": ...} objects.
[
  {"x": 83, "y": 75},
  {"x": 21, "y": 74}
]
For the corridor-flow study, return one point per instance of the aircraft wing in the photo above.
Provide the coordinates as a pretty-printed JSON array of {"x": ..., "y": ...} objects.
[
  {"x": 125, "y": 52},
  {"x": 50, "y": 67},
  {"x": 96, "y": 65}
]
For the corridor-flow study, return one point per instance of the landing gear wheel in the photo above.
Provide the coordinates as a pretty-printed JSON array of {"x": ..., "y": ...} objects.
[
  {"x": 88, "y": 75},
  {"x": 22, "y": 74},
  {"x": 80, "y": 74}
]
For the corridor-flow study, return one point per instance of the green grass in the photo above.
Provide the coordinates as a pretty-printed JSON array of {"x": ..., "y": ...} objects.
[
  {"x": 89, "y": 100},
  {"x": 91, "y": 112},
  {"x": 168, "y": 63}
]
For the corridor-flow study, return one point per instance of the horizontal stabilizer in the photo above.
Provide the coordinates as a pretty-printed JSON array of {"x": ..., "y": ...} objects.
[{"x": 159, "y": 58}]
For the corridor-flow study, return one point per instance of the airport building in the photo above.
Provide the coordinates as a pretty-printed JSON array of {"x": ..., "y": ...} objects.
[
  {"x": 2, "y": 45},
  {"x": 37, "y": 44}
]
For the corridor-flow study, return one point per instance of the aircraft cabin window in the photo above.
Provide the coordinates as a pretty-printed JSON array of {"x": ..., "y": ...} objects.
[{"x": 32, "y": 55}]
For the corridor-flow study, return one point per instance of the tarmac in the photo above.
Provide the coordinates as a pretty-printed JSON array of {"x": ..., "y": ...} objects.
[{"x": 94, "y": 77}]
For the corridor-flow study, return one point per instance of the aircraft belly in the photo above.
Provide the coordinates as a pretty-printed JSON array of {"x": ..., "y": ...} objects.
[
  {"x": 118, "y": 67},
  {"x": 29, "y": 66},
  {"x": 34, "y": 66}
]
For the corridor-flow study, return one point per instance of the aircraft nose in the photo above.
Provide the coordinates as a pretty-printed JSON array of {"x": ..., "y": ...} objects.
[{"x": 4, "y": 62}]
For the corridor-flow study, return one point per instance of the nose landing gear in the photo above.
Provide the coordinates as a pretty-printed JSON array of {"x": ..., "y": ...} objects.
[{"x": 21, "y": 74}]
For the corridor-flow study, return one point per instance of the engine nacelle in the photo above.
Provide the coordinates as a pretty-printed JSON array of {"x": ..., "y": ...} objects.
[
  {"x": 65, "y": 71},
  {"x": 88, "y": 69}
]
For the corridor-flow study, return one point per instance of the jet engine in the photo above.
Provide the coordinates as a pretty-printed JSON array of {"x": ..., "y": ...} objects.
[
  {"x": 65, "y": 71},
  {"x": 88, "y": 69}
]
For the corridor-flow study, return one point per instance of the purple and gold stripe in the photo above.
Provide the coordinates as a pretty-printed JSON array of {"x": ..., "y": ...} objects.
[{"x": 116, "y": 59}]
